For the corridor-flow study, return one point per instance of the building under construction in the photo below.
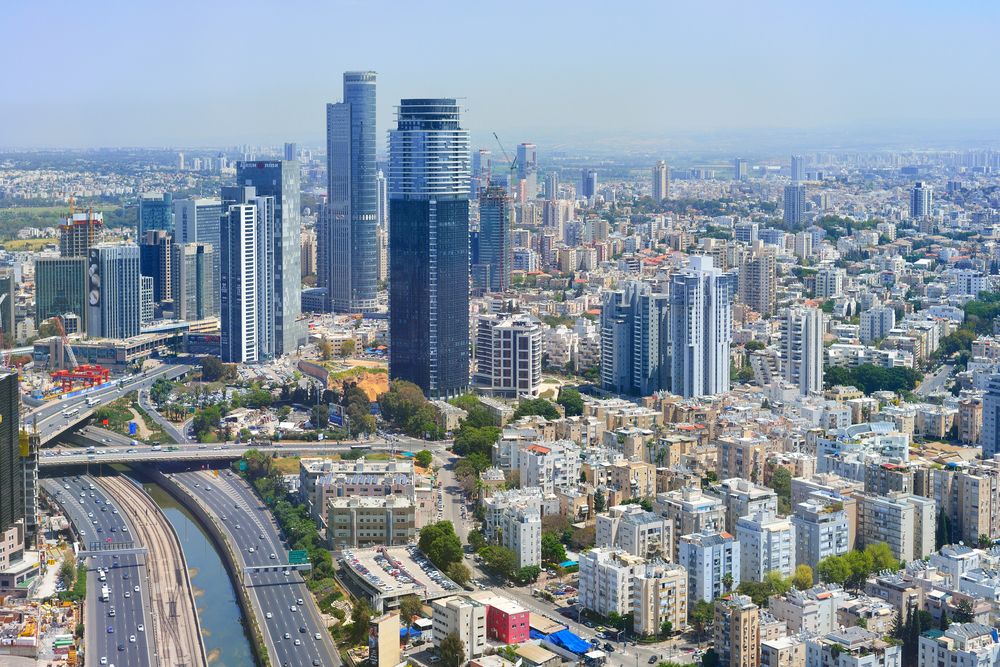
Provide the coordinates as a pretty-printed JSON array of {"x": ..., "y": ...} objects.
[{"x": 79, "y": 232}]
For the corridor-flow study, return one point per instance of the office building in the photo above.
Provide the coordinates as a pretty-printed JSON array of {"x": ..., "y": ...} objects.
[
  {"x": 852, "y": 647},
  {"x": 291, "y": 151},
  {"x": 829, "y": 282},
  {"x": 701, "y": 299},
  {"x": 960, "y": 645},
  {"x": 607, "y": 577},
  {"x": 482, "y": 172},
  {"x": 60, "y": 287},
  {"x": 795, "y": 205},
  {"x": 156, "y": 212},
  {"x": 196, "y": 220},
  {"x": 509, "y": 355},
  {"x": 146, "y": 314},
  {"x": 246, "y": 283},
  {"x": 491, "y": 268},
  {"x": 348, "y": 238},
  {"x": 737, "y": 631},
  {"x": 802, "y": 348},
  {"x": 822, "y": 529},
  {"x": 767, "y": 544},
  {"x": 635, "y": 531},
  {"x": 904, "y": 522},
  {"x": 711, "y": 561},
  {"x": 740, "y": 169},
  {"x": 746, "y": 232},
  {"x": 366, "y": 521},
  {"x": 462, "y": 616},
  {"x": 280, "y": 180},
  {"x": 429, "y": 248},
  {"x": 155, "y": 257},
  {"x": 114, "y": 289},
  {"x": 12, "y": 463},
  {"x": 921, "y": 200},
  {"x": 661, "y": 181},
  {"x": 876, "y": 323},
  {"x": 588, "y": 184},
  {"x": 527, "y": 170},
  {"x": 989, "y": 436},
  {"x": 78, "y": 233},
  {"x": 758, "y": 281},
  {"x": 193, "y": 285},
  {"x": 634, "y": 334},
  {"x": 552, "y": 186},
  {"x": 659, "y": 595},
  {"x": 798, "y": 169}
]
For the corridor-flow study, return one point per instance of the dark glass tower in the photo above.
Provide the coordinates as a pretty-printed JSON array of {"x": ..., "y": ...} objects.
[
  {"x": 348, "y": 230},
  {"x": 429, "y": 247},
  {"x": 491, "y": 268},
  {"x": 11, "y": 461}
]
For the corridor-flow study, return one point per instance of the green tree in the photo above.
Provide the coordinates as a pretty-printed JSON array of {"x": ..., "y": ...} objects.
[
  {"x": 553, "y": 550},
  {"x": 702, "y": 614},
  {"x": 571, "y": 401},
  {"x": 833, "y": 570},
  {"x": 361, "y": 617},
  {"x": 320, "y": 417},
  {"x": 527, "y": 574},
  {"x": 710, "y": 658},
  {"x": 423, "y": 458},
  {"x": 666, "y": 628},
  {"x": 965, "y": 612},
  {"x": 452, "y": 651},
  {"x": 942, "y": 530},
  {"x": 599, "y": 501},
  {"x": 727, "y": 582},
  {"x": 459, "y": 573},
  {"x": 325, "y": 348},
  {"x": 499, "y": 559},
  {"x": 348, "y": 347},
  {"x": 410, "y": 607},
  {"x": 881, "y": 558},
  {"x": 213, "y": 370},
  {"x": 440, "y": 544},
  {"x": 476, "y": 539},
  {"x": 536, "y": 406},
  {"x": 781, "y": 482},
  {"x": 985, "y": 541},
  {"x": 803, "y": 577}
]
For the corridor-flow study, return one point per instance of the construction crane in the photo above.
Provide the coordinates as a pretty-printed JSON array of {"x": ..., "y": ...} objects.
[
  {"x": 67, "y": 348},
  {"x": 512, "y": 163}
]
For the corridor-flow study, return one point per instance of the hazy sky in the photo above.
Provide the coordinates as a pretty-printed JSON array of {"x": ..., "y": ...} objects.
[{"x": 211, "y": 73}]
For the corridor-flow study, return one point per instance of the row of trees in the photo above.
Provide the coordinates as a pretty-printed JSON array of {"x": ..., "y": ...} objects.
[
  {"x": 442, "y": 547},
  {"x": 774, "y": 584},
  {"x": 853, "y": 568},
  {"x": 870, "y": 378}
]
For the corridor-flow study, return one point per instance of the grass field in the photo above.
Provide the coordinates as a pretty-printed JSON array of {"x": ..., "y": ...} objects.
[{"x": 35, "y": 245}]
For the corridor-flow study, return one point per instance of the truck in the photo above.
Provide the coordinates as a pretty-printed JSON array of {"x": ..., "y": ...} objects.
[{"x": 105, "y": 593}]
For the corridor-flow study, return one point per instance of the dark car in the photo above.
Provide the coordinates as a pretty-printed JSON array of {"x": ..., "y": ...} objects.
[
  {"x": 652, "y": 659},
  {"x": 608, "y": 647},
  {"x": 121, "y": 647}
]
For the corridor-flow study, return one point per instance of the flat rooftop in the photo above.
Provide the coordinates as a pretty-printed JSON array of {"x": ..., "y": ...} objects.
[{"x": 392, "y": 572}]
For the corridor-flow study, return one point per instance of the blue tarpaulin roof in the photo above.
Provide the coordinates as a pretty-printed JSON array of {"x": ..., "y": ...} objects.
[
  {"x": 535, "y": 634},
  {"x": 566, "y": 639},
  {"x": 413, "y": 632},
  {"x": 568, "y": 563}
]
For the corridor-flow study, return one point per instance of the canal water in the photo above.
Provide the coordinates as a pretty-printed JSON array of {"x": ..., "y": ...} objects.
[{"x": 226, "y": 641}]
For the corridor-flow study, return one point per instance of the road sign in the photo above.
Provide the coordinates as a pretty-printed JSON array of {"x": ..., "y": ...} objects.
[{"x": 297, "y": 557}]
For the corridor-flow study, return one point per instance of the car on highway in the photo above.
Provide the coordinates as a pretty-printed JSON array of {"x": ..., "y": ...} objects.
[
  {"x": 288, "y": 635},
  {"x": 141, "y": 628},
  {"x": 317, "y": 636},
  {"x": 298, "y": 642},
  {"x": 302, "y": 629},
  {"x": 270, "y": 615},
  {"x": 128, "y": 594},
  {"x": 104, "y": 660},
  {"x": 293, "y": 608},
  {"x": 121, "y": 647},
  {"x": 111, "y": 629},
  {"x": 131, "y": 638},
  {"x": 274, "y": 557}
]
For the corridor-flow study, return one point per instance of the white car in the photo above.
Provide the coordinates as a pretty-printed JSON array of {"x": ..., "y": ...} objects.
[
  {"x": 317, "y": 637},
  {"x": 141, "y": 628},
  {"x": 104, "y": 660},
  {"x": 135, "y": 588},
  {"x": 293, "y": 608},
  {"x": 270, "y": 615},
  {"x": 131, "y": 638}
]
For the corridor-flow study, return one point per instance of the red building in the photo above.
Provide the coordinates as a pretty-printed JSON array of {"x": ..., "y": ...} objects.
[{"x": 506, "y": 621}]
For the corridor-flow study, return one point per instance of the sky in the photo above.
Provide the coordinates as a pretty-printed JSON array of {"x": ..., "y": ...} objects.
[{"x": 220, "y": 73}]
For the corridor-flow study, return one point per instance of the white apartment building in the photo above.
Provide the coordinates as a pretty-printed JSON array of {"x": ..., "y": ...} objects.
[
  {"x": 636, "y": 531},
  {"x": 961, "y": 645},
  {"x": 606, "y": 580},
  {"x": 659, "y": 594},
  {"x": 813, "y": 611},
  {"x": 829, "y": 282},
  {"x": 821, "y": 530},
  {"x": 509, "y": 355},
  {"x": 500, "y": 503},
  {"x": 905, "y": 522},
  {"x": 463, "y": 616},
  {"x": 876, "y": 323},
  {"x": 521, "y": 532},
  {"x": 743, "y": 498},
  {"x": 767, "y": 544},
  {"x": 708, "y": 558},
  {"x": 690, "y": 511},
  {"x": 550, "y": 466},
  {"x": 802, "y": 348},
  {"x": 852, "y": 647}
]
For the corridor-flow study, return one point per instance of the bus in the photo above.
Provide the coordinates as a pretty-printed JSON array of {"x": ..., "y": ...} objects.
[
  {"x": 71, "y": 412},
  {"x": 359, "y": 447},
  {"x": 92, "y": 401}
]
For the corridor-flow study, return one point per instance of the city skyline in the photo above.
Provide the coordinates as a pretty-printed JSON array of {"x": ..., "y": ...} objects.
[{"x": 804, "y": 68}]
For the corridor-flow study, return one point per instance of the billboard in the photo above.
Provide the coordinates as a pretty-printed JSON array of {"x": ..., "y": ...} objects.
[
  {"x": 336, "y": 414},
  {"x": 94, "y": 278}
]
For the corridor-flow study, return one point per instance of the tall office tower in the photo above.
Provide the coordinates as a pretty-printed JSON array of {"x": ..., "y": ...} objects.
[
  {"x": 146, "y": 313},
  {"x": 758, "y": 280},
  {"x": 798, "y": 169},
  {"x": 8, "y": 293},
  {"x": 382, "y": 236},
  {"x": 60, "y": 287},
  {"x": 921, "y": 200},
  {"x": 280, "y": 179},
  {"x": 482, "y": 171},
  {"x": 154, "y": 261},
  {"x": 588, "y": 183},
  {"x": 193, "y": 286},
  {"x": 382, "y": 207},
  {"x": 795, "y": 205},
  {"x": 78, "y": 232},
  {"x": 247, "y": 286},
  {"x": 156, "y": 211},
  {"x": 740, "y": 169},
  {"x": 989, "y": 436},
  {"x": 491, "y": 272},
  {"x": 552, "y": 186},
  {"x": 308, "y": 252},
  {"x": 12, "y": 505},
  {"x": 701, "y": 328},
  {"x": 352, "y": 192},
  {"x": 802, "y": 348},
  {"x": 509, "y": 354},
  {"x": 661, "y": 181},
  {"x": 527, "y": 169},
  {"x": 114, "y": 296},
  {"x": 291, "y": 151},
  {"x": 634, "y": 335},
  {"x": 196, "y": 220},
  {"x": 429, "y": 249}
]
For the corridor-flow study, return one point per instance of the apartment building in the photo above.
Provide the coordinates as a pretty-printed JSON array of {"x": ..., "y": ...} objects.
[
  {"x": 767, "y": 544},
  {"x": 813, "y": 610},
  {"x": 742, "y": 498},
  {"x": 462, "y": 616},
  {"x": 711, "y": 559},
  {"x": 961, "y": 645},
  {"x": 852, "y": 647},
  {"x": 606, "y": 580},
  {"x": 660, "y": 593},
  {"x": 737, "y": 631},
  {"x": 521, "y": 532},
  {"x": 905, "y": 522},
  {"x": 822, "y": 529},
  {"x": 362, "y": 521},
  {"x": 783, "y": 652},
  {"x": 321, "y": 479},
  {"x": 636, "y": 531},
  {"x": 743, "y": 457},
  {"x": 690, "y": 511}
]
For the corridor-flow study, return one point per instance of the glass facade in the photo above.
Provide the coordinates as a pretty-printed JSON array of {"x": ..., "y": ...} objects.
[
  {"x": 60, "y": 287},
  {"x": 156, "y": 212},
  {"x": 495, "y": 256},
  {"x": 429, "y": 247}
]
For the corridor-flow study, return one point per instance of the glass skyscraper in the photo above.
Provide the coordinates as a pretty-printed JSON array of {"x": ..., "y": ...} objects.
[
  {"x": 429, "y": 248},
  {"x": 280, "y": 179},
  {"x": 113, "y": 291},
  {"x": 156, "y": 211},
  {"x": 348, "y": 230},
  {"x": 491, "y": 271}
]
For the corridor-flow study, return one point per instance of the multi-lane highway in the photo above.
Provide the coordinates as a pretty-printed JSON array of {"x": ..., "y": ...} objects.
[
  {"x": 56, "y": 417},
  {"x": 120, "y": 638},
  {"x": 285, "y": 609}
]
